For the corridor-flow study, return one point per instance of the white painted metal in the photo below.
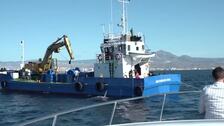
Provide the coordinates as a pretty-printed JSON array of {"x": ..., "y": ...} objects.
[
  {"x": 15, "y": 75},
  {"x": 201, "y": 122},
  {"x": 113, "y": 112},
  {"x": 23, "y": 54}
]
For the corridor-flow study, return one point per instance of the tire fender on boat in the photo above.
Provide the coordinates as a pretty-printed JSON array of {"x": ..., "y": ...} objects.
[
  {"x": 138, "y": 90},
  {"x": 79, "y": 86},
  {"x": 100, "y": 58},
  {"x": 118, "y": 56},
  {"x": 4, "y": 84},
  {"x": 100, "y": 86}
]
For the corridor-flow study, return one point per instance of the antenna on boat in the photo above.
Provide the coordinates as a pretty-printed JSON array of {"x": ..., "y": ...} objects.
[
  {"x": 103, "y": 28},
  {"x": 111, "y": 17},
  {"x": 23, "y": 53},
  {"x": 124, "y": 16}
]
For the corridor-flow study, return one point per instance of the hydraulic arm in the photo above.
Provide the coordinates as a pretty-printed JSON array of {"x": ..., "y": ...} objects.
[{"x": 46, "y": 63}]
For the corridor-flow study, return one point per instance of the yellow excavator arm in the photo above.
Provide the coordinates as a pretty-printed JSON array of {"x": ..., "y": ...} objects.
[
  {"x": 45, "y": 64},
  {"x": 69, "y": 48}
]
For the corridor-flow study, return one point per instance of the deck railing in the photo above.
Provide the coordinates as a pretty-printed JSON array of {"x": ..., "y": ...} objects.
[{"x": 114, "y": 103}]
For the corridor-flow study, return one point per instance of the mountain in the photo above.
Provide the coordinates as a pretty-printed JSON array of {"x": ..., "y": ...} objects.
[
  {"x": 63, "y": 65},
  {"x": 162, "y": 60},
  {"x": 167, "y": 60}
]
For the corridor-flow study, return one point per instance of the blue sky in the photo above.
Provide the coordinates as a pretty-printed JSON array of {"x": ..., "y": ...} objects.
[{"x": 182, "y": 27}]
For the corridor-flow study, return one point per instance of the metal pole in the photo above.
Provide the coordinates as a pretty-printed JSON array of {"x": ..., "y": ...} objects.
[
  {"x": 161, "y": 114},
  {"x": 123, "y": 19},
  {"x": 23, "y": 53},
  {"x": 54, "y": 121},
  {"x": 112, "y": 114},
  {"x": 111, "y": 16}
]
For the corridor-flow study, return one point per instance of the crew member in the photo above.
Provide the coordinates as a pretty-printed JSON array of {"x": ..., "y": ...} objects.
[{"x": 212, "y": 96}]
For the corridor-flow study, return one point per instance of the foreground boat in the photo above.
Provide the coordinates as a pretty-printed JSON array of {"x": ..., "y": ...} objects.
[
  {"x": 127, "y": 112},
  {"x": 121, "y": 70}
]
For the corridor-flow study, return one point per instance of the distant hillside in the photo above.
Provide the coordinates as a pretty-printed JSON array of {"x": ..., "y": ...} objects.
[
  {"x": 162, "y": 60},
  {"x": 63, "y": 65},
  {"x": 167, "y": 60}
]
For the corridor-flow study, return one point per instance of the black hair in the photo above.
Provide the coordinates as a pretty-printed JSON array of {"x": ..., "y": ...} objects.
[{"x": 218, "y": 73}]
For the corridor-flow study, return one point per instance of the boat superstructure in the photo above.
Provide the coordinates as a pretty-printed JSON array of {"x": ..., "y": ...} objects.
[{"x": 123, "y": 55}]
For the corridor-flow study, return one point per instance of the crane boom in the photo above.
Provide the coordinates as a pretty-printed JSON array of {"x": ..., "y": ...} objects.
[
  {"x": 45, "y": 64},
  {"x": 68, "y": 47}
]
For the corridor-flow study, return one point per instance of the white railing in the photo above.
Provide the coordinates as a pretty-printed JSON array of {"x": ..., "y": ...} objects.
[{"x": 114, "y": 103}]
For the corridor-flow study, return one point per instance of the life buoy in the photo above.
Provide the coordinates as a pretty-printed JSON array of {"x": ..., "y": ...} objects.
[
  {"x": 100, "y": 57},
  {"x": 79, "y": 86},
  {"x": 138, "y": 91},
  {"x": 3, "y": 84},
  {"x": 100, "y": 86},
  {"x": 118, "y": 56}
]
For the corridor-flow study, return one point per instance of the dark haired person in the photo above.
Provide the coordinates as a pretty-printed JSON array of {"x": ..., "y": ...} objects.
[{"x": 212, "y": 97}]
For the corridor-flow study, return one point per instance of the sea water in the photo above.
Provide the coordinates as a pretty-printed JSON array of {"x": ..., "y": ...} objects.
[{"x": 16, "y": 108}]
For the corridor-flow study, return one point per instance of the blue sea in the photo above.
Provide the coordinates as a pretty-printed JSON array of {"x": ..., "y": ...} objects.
[{"x": 16, "y": 108}]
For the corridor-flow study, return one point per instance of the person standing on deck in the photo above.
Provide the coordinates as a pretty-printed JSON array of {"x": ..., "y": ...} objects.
[{"x": 212, "y": 97}]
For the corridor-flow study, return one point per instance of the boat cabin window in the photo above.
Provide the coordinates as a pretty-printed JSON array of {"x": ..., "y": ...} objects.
[
  {"x": 111, "y": 49},
  {"x": 109, "y": 53},
  {"x": 106, "y": 50},
  {"x": 143, "y": 47},
  {"x": 135, "y": 38},
  {"x": 120, "y": 48},
  {"x": 123, "y": 48},
  {"x": 137, "y": 48},
  {"x": 129, "y": 47},
  {"x": 105, "y": 40},
  {"x": 102, "y": 49}
]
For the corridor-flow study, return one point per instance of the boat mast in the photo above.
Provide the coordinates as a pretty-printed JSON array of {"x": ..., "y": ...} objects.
[
  {"x": 23, "y": 53},
  {"x": 111, "y": 18},
  {"x": 124, "y": 18}
]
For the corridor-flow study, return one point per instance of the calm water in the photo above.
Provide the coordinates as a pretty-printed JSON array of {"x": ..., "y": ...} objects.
[{"x": 16, "y": 108}]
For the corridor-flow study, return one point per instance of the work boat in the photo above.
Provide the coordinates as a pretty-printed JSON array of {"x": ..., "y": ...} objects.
[
  {"x": 121, "y": 70},
  {"x": 168, "y": 109}
]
